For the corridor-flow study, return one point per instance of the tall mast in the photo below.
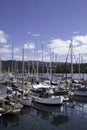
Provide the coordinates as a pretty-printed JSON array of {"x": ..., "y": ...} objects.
[
  {"x": 28, "y": 61},
  {"x": 82, "y": 63},
  {"x": 50, "y": 65},
  {"x": 42, "y": 59},
  {"x": 37, "y": 57},
  {"x": 0, "y": 64},
  {"x": 79, "y": 65},
  {"x": 71, "y": 51},
  {"x": 12, "y": 58},
  {"x": 22, "y": 72}
]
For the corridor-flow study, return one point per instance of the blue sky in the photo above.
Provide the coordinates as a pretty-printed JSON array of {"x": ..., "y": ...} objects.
[{"x": 53, "y": 23}]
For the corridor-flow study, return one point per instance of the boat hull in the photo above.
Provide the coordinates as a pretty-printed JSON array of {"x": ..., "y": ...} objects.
[
  {"x": 57, "y": 100},
  {"x": 81, "y": 95}
]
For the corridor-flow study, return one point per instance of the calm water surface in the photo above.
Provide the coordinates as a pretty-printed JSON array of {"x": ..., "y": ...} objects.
[{"x": 66, "y": 117}]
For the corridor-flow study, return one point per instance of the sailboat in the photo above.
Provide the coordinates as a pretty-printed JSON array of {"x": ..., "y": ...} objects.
[
  {"x": 8, "y": 107},
  {"x": 43, "y": 93},
  {"x": 26, "y": 101},
  {"x": 45, "y": 96},
  {"x": 48, "y": 100}
]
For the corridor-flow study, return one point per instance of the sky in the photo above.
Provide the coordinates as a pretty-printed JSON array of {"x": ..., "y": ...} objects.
[{"x": 44, "y": 28}]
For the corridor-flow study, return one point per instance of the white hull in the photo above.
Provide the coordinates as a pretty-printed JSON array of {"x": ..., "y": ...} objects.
[
  {"x": 54, "y": 100},
  {"x": 26, "y": 102}
]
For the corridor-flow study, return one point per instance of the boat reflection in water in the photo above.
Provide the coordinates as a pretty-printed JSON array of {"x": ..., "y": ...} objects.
[
  {"x": 10, "y": 120},
  {"x": 66, "y": 117},
  {"x": 44, "y": 114}
]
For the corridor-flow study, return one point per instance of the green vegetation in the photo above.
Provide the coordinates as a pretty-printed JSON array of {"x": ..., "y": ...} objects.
[{"x": 43, "y": 68}]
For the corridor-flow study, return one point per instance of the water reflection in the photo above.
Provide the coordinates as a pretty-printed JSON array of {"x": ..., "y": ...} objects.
[
  {"x": 47, "y": 118},
  {"x": 53, "y": 115},
  {"x": 10, "y": 120},
  {"x": 54, "y": 118}
]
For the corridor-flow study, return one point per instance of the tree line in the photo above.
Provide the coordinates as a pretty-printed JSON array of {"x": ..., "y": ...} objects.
[{"x": 43, "y": 67}]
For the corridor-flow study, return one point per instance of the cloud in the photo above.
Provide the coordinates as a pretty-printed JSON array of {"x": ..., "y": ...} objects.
[
  {"x": 75, "y": 32},
  {"x": 29, "y": 32},
  {"x": 5, "y": 50},
  {"x": 3, "y": 37},
  {"x": 36, "y": 35},
  {"x": 16, "y": 50},
  {"x": 18, "y": 57},
  {"x": 6, "y": 46},
  {"x": 6, "y": 57},
  {"x": 29, "y": 45},
  {"x": 81, "y": 39},
  {"x": 59, "y": 46},
  {"x": 80, "y": 49},
  {"x": 58, "y": 43},
  {"x": 8, "y": 49}
]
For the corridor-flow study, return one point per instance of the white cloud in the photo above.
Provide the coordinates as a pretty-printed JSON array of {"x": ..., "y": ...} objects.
[
  {"x": 80, "y": 49},
  {"x": 6, "y": 46},
  {"x": 58, "y": 43},
  {"x": 75, "y": 32},
  {"x": 3, "y": 37},
  {"x": 59, "y": 46},
  {"x": 29, "y": 33},
  {"x": 16, "y": 50},
  {"x": 5, "y": 50},
  {"x": 36, "y": 35},
  {"x": 18, "y": 57},
  {"x": 29, "y": 45},
  {"x": 6, "y": 57},
  {"x": 81, "y": 39}
]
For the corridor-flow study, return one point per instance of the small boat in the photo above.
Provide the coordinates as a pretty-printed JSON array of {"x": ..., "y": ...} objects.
[
  {"x": 80, "y": 94},
  {"x": 53, "y": 100},
  {"x": 46, "y": 96},
  {"x": 26, "y": 101},
  {"x": 4, "y": 108},
  {"x": 7, "y": 107}
]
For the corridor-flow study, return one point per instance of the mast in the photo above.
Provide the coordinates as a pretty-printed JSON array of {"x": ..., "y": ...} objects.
[
  {"x": 0, "y": 64},
  {"x": 28, "y": 61},
  {"x": 82, "y": 64},
  {"x": 42, "y": 59},
  {"x": 71, "y": 52},
  {"x": 12, "y": 58},
  {"x": 16, "y": 66},
  {"x": 50, "y": 65},
  {"x": 22, "y": 72},
  {"x": 79, "y": 66},
  {"x": 37, "y": 58}
]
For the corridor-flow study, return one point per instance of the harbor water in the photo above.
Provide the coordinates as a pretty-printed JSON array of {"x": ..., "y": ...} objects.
[
  {"x": 66, "y": 117},
  {"x": 69, "y": 116}
]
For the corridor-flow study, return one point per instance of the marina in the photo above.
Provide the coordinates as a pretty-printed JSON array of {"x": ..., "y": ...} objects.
[
  {"x": 38, "y": 115},
  {"x": 43, "y": 65}
]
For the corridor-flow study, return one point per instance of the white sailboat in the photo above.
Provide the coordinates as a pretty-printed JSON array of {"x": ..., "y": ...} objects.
[
  {"x": 44, "y": 94},
  {"x": 53, "y": 100},
  {"x": 26, "y": 101},
  {"x": 46, "y": 98}
]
